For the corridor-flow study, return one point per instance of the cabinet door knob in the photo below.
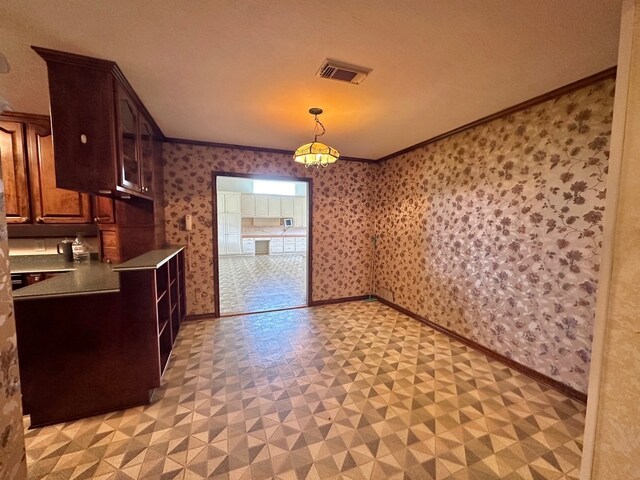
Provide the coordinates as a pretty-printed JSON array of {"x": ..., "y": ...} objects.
[{"x": 39, "y": 220}]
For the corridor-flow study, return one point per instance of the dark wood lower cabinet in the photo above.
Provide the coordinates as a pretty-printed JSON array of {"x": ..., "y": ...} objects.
[
  {"x": 89, "y": 354},
  {"x": 126, "y": 228}
]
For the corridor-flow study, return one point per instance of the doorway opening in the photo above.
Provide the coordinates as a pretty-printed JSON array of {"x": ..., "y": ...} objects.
[{"x": 262, "y": 242}]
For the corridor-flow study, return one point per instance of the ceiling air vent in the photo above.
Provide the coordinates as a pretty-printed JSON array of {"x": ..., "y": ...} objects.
[{"x": 342, "y": 71}]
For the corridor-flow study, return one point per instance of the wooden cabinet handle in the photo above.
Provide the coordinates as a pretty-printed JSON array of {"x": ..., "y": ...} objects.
[{"x": 101, "y": 219}]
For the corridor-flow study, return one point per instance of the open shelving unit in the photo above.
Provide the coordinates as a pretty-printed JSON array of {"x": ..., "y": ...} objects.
[{"x": 170, "y": 304}]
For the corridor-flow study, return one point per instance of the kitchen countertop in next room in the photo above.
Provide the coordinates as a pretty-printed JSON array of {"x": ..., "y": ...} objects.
[{"x": 273, "y": 232}]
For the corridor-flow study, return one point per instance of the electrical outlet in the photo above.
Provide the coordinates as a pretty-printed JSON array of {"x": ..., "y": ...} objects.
[{"x": 41, "y": 246}]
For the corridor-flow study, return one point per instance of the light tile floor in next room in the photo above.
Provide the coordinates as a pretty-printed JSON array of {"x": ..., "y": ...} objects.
[
  {"x": 261, "y": 282},
  {"x": 353, "y": 390}
]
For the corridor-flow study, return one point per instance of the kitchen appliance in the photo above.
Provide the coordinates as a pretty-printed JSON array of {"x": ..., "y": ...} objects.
[{"x": 18, "y": 281}]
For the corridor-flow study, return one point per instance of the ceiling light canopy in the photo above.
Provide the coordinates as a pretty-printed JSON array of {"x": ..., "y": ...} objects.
[{"x": 316, "y": 153}]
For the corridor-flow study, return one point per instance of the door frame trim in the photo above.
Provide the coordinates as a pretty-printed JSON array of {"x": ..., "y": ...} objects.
[{"x": 214, "y": 227}]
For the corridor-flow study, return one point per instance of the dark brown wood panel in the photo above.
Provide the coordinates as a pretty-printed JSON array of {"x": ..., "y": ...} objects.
[
  {"x": 14, "y": 171},
  {"x": 74, "y": 363},
  {"x": 49, "y": 203},
  {"x": 82, "y": 113},
  {"x": 103, "y": 210}
]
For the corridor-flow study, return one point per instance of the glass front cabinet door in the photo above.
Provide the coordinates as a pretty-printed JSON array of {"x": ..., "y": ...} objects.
[
  {"x": 146, "y": 156},
  {"x": 129, "y": 155}
]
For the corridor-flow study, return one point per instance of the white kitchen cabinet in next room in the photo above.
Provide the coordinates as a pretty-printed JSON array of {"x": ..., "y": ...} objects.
[
  {"x": 275, "y": 206},
  {"x": 262, "y": 206},
  {"x": 301, "y": 244},
  {"x": 249, "y": 246},
  {"x": 276, "y": 245},
  {"x": 286, "y": 207},
  {"x": 289, "y": 244},
  {"x": 248, "y": 205},
  {"x": 299, "y": 211},
  {"x": 229, "y": 224}
]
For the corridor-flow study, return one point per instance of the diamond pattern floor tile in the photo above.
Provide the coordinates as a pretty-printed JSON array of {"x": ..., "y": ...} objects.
[
  {"x": 262, "y": 282},
  {"x": 355, "y": 391}
]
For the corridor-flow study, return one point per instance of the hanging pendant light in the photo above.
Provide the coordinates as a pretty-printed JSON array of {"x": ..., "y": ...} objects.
[{"x": 316, "y": 153}]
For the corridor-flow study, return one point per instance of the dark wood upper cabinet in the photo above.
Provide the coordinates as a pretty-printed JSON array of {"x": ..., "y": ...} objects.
[
  {"x": 101, "y": 127},
  {"x": 28, "y": 168},
  {"x": 14, "y": 171},
  {"x": 49, "y": 203}
]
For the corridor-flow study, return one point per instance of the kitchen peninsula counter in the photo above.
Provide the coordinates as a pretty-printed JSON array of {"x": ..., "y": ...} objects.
[
  {"x": 87, "y": 278},
  {"x": 97, "y": 338}
]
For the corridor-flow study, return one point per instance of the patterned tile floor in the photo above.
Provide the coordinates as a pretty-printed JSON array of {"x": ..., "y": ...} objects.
[
  {"x": 354, "y": 391},
  {"x": 262, "y": 282}
]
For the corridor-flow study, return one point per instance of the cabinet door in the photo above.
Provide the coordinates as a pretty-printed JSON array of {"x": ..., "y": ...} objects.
[
  {"x": 222, "y": 228},
  {"x": 276, "y": 245},
  {"x": 110, "y": 246},
  {"x": 299, "y": 209},
  {"x": 248, "y": 205},
  {"x": 301, "y": 244},
  {"x": 233, "y": 243},
  {"x": 248, "y": 245},
  {"x": 274, "y": 206},
  {"x": 222, "y": 247},
  {"x": 103, "y": 210},
  {"x": 262, "y": 206},
  {"x": 286, "y": 207},
  {"x": 129, "y": 154},
  {"x": 232, "y": 203},
  {"x": 49, "y": 203},
  {"x": 14, "y": 171},
  {"x": 232, "y": 223},
  {"x": 146, "y": 156}
]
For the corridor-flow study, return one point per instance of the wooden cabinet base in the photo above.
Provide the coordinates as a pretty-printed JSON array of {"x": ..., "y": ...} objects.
[
  {"x": 93, "y": 353},
  {"x": 85, "y": 356}
]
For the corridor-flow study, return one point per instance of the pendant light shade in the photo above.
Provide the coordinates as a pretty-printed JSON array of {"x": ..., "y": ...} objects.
[{"x": 316, "y": 153}]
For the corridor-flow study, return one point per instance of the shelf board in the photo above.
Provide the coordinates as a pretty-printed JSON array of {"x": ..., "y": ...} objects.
[
  {"x": 163, "y": 327},
  {"x": 160, "y": 296},
  {"x": 172, "y": 282},
  {"x": 173, "y": 308}
]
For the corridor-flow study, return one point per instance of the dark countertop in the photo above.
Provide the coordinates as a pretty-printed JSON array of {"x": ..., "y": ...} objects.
[
  {"x": 149, "y": 261},
  {"x": 39, "y": 264},
  {"x": 86, "y": 279}
]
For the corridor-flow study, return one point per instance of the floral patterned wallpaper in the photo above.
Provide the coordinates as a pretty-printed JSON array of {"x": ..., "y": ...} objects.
[
  {"x": 495, "y": 232},
  {"x": 12, "y": 455},
  {"x": 342, "y": 216}
]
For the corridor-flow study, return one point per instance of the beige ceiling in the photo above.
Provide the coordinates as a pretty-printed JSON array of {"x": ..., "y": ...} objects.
[{"x": 243, "y": 71}]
